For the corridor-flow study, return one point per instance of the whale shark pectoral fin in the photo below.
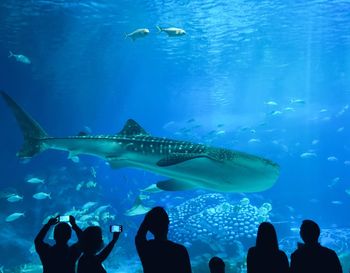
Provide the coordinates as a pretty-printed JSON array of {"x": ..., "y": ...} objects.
[
  {"x": 177, "y": 158},
  {"x": 117, "y": 163},
  {"x": 175, "y": 185},
  {"x": 152, "y": 189}
]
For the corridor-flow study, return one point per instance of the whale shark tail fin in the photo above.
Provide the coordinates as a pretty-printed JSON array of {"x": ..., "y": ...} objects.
[
  {"x": 159, "y": 29},
  {"x": 32, "y": 132},
  {"x": 126, "y": 36},
  {"x": 11, "y": 54}
]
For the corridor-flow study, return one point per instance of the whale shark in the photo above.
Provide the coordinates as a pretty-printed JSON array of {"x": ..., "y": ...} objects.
[{"x": 186, "y": 165}]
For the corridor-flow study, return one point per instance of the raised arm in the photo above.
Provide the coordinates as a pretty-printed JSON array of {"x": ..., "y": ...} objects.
[
  {"x": 76, "y": 228},
  {"x": 39, "y": 239},
  {"x": 141, "y": 236},
  {"x": 107, "y": 250}
]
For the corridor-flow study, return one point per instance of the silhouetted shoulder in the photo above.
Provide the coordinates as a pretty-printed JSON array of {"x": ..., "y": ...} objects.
[
  {"x": 261, "y": 261},
  {"x": 254, "y": 251},
  {"x": 168, "y": 245},
  {"x": 315, "y": 259}
]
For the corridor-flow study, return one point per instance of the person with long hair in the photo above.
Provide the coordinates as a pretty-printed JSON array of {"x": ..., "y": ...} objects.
[
  {"x": 265, "y": 256},
  {"x": 93, "y": 257}
]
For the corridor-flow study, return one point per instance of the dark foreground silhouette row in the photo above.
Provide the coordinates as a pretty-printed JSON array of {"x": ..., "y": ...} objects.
[{"x": 160, "y": 255}]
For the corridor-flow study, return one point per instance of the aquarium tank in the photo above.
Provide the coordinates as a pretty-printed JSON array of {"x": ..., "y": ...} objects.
[{"x": 225, "y": 113}]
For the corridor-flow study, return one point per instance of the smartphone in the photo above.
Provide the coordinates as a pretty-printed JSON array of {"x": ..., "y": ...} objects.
[
  {"x": 116, "y": 228},
  {"x": 64, "y": 218}
]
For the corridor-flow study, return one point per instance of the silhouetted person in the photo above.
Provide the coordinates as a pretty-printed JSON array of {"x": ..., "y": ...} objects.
[
  {"x": 266, "y": 257},
  {"x": 160, "y": 255},
  {"x": 216, "y": 265},
  {"x": 60, "y": 257},
  {"x": 92, "y": 243},
  {"x": 311, "y": 256}
]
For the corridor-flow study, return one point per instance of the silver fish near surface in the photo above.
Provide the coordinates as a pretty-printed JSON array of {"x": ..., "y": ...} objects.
[
  {"x": 35, "y": 180},
  {"x": 188, "y": 165},
  {"x": 14, "y": 216},
  {"x": 20, "y": 58},
  {"x": 138, "y": 33},
  {"x": 172, "y": 31},
  {"x": 14, "y": 198},
  {"x": 42, "y": 195}
]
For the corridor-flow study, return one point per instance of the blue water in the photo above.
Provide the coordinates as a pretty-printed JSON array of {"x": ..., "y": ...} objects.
[{"x": 215, "y": 85}]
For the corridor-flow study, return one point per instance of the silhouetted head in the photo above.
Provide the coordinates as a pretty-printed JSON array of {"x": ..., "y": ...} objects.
[
  {"x": 266, "y": 237},
  {"x": 309, "y": 232},
  {"x": 158, "y": 221},
  {"x": 62, "y": 233},
  {"x": 92, "y": 240},
  {"x": 216, "y": 265}
]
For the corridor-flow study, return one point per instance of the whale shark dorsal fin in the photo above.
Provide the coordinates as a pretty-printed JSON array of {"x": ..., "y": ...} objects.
[{"x": 131, "y": 127}]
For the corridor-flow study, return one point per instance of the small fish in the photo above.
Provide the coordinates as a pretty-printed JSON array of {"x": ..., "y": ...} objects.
[
  {"x": 297, "y": 101},
  {"x": 190, "y": 120},
  {"x": 93, "y": 172},
  {"x": 334, "y": 182},
  {"x": 341, "y": 129},
  {"x": 289, "y": 109},
  {"x": 221, "y": 132},
  {"x": 89, "y": 205},
  {"x": 138, "y": 33},
  {"x": 14, "y": 198},
  {"x": 42, "y": 195},
  {"x": 315, "y": 141},
  {"x": 323, "y": 110},
  {"x": 332, "y": 159},
  {"x": 347, "y": 162},
  {"x": 336, "y": 202},
  {"x": 20, "y": 58},
  {"x": 295, "y": 229},
  {"x": 254, "y": 140},
  {"x": 308, "y": 155},
  {"x": 347, "y": 191},
  {"x": 14, "y": 216},
  {"x": 172, "y": 31},
  {"x": 275, "y": 113},
  {"x": 271, "y": 103},
  {"x": 35, "y": 180},
  {"x": 343, "y": 110}
]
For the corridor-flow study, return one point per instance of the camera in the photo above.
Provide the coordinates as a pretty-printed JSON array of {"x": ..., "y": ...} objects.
[
  {"x": 116, "y": 228},
  {"x": 63, "y": 218}
]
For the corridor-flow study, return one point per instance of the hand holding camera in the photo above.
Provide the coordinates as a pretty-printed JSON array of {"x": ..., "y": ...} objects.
[{"x": 53, "y": 221}]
